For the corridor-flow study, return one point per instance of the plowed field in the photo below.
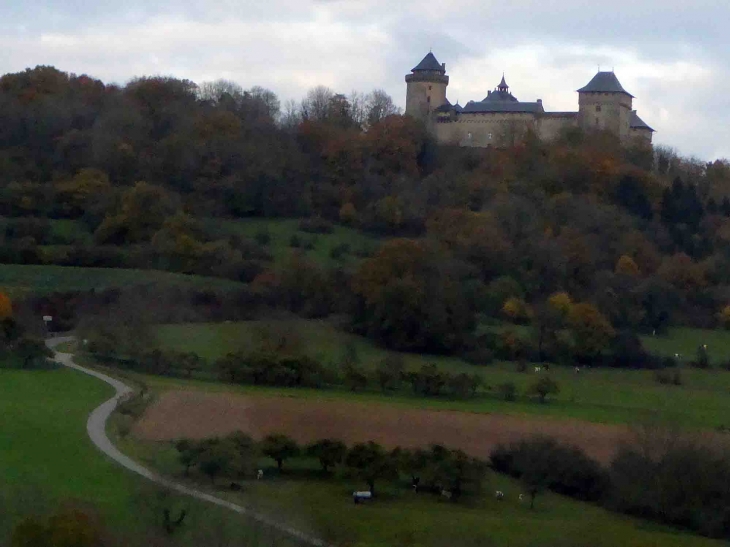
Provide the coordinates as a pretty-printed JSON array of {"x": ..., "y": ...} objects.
[{"x": 196, "y": 415}]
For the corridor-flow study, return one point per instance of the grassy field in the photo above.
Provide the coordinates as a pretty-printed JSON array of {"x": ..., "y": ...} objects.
[
  {"x": 685, "y": 341},
  {"x": 281, "y": 232},
  {"x": 18, "y": 280},
  {"x": 46, "y": 457},
  {"x": 600, "y": 395},
  {"x": 399, "y": 518}
]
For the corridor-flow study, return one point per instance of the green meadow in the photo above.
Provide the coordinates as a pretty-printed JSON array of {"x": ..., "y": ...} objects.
[
  {"x": 597, "y": 394},
  {"x": 20, "y": 280},
  {"x": 46, "y": 458}
]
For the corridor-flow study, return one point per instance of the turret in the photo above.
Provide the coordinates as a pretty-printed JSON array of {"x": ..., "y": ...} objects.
[
  {"x": 426, "y": 88},
  {"x": 604, "y": 104}
]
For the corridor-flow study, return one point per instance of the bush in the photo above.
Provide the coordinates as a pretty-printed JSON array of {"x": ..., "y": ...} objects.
[
  {"x": 316, "y": 225},
  {"x": 338, "y": 251},
  {"x": 507, "y": 391},
  {"x": 295, "y": 241},
  {"x": 543, "y": 387},
  {"x": 263, "y": 237},
  {"x": 668, "y": 377},
  {"x": 563, "y": 469},
  {"x": 678, "y": 482}
]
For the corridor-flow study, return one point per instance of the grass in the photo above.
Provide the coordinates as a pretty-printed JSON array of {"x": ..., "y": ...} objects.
[
  {"x": 598, "y": 395},
  {"x": 303, "y": 498},
  {"x": 19, "y": 280},
  {"x": 281, "y": 231},
  {"x": 46, "y": 457},
  {"x": 685, "y": 341}
]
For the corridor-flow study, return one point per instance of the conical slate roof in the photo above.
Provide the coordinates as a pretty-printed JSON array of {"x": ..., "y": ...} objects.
[
  {"x": 637, "y": 123},
  {"x": 429, "y": 62},
  {"x": 604, "y": 82},
  {"x": 502, "y": 84}
]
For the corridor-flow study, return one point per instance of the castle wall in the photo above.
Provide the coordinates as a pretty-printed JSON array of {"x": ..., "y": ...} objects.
[
  {"x": 641, "y": 134},
  {"x": 486, "y": 129},
  {"x": 551, "y": 125}
]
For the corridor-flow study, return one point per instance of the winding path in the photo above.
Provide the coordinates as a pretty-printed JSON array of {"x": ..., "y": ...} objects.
[{"x": 96, "y": 428}]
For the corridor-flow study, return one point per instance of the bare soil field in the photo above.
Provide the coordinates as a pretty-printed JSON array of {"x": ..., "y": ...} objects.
[{"x": 197, "y": 415}]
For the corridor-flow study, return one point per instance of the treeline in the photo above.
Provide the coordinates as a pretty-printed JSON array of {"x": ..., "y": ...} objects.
[
  {"x": 636, "y": 238},
  {"x": 662, "y": 476},
  {"x": 432, "y": 470}
]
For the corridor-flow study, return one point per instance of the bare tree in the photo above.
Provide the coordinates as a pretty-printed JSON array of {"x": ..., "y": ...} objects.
[
  {"x": 214, "y": 91},
  {"x": 316, "y": 106},
  {"x": 267, "y": 99},
  {"x": 291, "y": 117},
  {"x": 379, "y": 105}
]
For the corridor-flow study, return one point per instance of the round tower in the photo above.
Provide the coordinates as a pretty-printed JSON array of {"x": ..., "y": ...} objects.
[
  {"x": 605, "y": 105},
  {"x": 426, "y": 88}
]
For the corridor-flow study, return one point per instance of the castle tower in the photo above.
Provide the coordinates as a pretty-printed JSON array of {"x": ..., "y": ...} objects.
[
  {"x": 605, "y": 105},
  {"x": 426, "y": 88}
]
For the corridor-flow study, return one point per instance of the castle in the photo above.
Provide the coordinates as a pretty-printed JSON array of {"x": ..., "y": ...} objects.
[{"x": 501, "y": 120}]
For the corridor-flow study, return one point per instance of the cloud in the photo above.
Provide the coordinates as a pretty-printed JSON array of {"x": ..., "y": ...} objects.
[{"x": 670, "y": 54}]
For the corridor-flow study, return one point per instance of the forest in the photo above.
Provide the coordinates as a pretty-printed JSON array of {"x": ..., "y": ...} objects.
[{"x": 587, "y": 242}]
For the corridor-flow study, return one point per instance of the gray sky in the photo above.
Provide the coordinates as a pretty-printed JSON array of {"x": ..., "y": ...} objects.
[{"x": 673, "y": 55}]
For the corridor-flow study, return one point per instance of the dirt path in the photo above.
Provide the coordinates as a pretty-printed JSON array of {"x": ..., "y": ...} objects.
[
  {"x": 96, "y": 428},
  {"x": 196, "y": 415}
]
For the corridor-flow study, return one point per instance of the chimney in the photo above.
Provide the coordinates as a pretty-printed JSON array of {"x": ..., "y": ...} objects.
[
  {"x": 443, "y": 65},
  {"x": 539, "y": 101}
]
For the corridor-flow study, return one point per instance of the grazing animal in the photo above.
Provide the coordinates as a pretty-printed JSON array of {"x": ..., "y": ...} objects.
[
  {"x": 546, "y": 366},
  {"x": 499, "y": 495},
  {"x": 235, "y": 487},
  {"x": 538, "y": 369},
  {"x": 260, "y": 474},
  {"x": 577, "y": 370},
  {"x": 446, "y": 494},
  {"x": 522, "y": 498},
  {"x": 415, "y": 482}
]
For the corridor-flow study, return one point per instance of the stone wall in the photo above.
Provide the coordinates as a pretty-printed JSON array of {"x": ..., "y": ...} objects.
[{"x": 605, "y": 111}]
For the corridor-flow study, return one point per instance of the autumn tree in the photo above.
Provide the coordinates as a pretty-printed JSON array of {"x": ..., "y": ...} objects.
[
  {"x": 592, "y": 331},
  {"x": 395, "y": 291}
]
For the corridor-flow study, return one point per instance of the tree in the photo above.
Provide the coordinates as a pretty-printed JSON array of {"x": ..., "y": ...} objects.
[
  {"x": 218, "y": 457},
  {"x": 279, "y": 448},
  {"x": 32, "y": 353},
  {"x": 627, "y": 266},
  {"x": 395, "y": 291},
  {"x": 371, "y": 463},
  {"x": 592, "y": 331},
  {"x": 389, "y": 372},
  {"x": 6, "y": 307},
  {"x": 329, "y": 453},
  {"x": 188, "y": 453},
  {"x": 543, "y": 387},
  {"x": 379, "y": 105}
]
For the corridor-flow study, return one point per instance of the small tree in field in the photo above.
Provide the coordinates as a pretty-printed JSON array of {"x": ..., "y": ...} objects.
[
  {"x": 543, "y": 387},
  {"x": 371, "y": 462},
  {"x": 328, "y": 452},
  {"x": 279, "y": 448}
]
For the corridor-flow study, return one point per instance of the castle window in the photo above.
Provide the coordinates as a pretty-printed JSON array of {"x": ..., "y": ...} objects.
[
  {"x": 429, "y": 88},
  {"x": 428, "y": 100},
  {"x": 598, "y": 108},
  {"x": 489, "y": 136}
]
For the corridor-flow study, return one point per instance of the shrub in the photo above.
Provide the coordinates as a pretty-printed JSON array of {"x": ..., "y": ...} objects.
[
  {"x": 507, "y": 391},
  {"x": 338, "y": 251},
  {"x": 295, "y": 241},
  {"x": 543, "y": 387},
  {"x": 263, "y": 237},
  {"x": 668, "y": 377},
  {"x": 564, "y": 469}
]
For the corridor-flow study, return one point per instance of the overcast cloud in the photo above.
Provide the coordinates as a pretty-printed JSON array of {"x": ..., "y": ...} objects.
[{"x": 673, "y": 55}]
